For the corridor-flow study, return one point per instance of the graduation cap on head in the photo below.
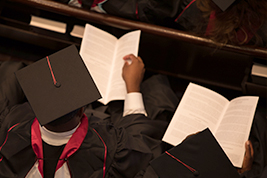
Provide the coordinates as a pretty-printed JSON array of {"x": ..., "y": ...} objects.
[
  {"x": 57, "y": 85},
  {"x": 199, "y": 156},
  {"x": 223, "y": 4}
]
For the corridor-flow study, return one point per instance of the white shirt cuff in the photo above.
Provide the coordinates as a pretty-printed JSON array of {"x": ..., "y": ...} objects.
[{"x": 133, "y": 104}]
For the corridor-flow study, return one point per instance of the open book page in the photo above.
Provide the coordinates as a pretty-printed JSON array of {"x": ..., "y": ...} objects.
[
  {"x": 48, "y": 24},
  {"x": 234, "y": 129},
  {"x": 97, "y": 50},
  {"x": 199, "y": 108},
  {"x": 127, "y": 44}
]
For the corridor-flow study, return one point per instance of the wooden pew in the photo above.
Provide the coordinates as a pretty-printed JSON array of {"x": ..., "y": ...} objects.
[{"x": 164, "y": 50}]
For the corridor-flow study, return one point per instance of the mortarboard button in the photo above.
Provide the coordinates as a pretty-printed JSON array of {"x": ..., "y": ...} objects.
[
  {"x": 196, "y": 173},
  {"x": 57, "y": 84}
]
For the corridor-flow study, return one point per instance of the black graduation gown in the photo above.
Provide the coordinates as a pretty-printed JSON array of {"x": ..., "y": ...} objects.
[
  {"x": 129, "y": 148},
  {"x": 131, "y": 141},
  {"x": 178, "y": 14},
  {"x": 150, "y": 11},
  {"x": 264, "y": 174},
  {"x": 10, "y": 92}
]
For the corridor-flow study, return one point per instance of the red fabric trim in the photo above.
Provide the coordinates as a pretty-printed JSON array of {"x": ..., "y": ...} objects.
[
  {"x": 244, "y": 35},
  {"x": 136, "y": 11},
  {"x": 75, "y": 142},
  {"x": 7, "y": 134},
  {"x": 97, "y": 2},
  {"x": 37, "y": 144},
  {"x": 185, "y": 9},
  {"x": 7, "y": 137},
  {"x": 51, "y": 71},
  {"x": 188, "y": 167},
  {"x": 105, "y": 155},
  {"x": 211, "y": 23}
]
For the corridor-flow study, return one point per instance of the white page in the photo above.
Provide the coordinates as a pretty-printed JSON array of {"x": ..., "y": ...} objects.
[
  {"x": 127, "y": 44},
  {"x": 194, "y": 115},
  {"x": 48, "y": 24},
  {"x": 77, "y": 31},
  {"x": 97, "y": 50},
  {"x": 234, "y": 129}
]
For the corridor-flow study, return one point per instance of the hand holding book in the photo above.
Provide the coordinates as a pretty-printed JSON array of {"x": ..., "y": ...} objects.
[
  {"x": 103, "y": 55},
  {"x": 133, "y": 73},
  {"x": 229, "y": 121},
  {"x": 248, "y": 158}
]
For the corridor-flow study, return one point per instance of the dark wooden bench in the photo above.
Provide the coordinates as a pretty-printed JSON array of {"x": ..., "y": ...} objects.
[{"x": 164, "y": 50}]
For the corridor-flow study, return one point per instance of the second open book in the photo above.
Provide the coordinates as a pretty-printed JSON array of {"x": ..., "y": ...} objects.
[
  {"x": 103, "y": 56},
  {"x": 229, "y": 121}
]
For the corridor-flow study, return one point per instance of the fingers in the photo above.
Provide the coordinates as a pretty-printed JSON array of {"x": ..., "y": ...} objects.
[
  {"x": 139, "y": 58},
  {"x": 133, "y": 73},
  {"x": 248, "y": 158},
  {"x": 249, "y": 150},
  {"x": 130, "y": 58},
  {"x": 188, "y": 136}
]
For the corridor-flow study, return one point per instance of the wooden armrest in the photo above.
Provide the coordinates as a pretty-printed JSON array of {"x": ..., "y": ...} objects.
[{"x": 164, "y": 50}]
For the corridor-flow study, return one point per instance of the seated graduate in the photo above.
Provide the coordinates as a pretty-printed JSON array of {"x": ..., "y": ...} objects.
[
  {"x": 196, "y": 154},
  {"x": 50, "y": 136},
  {"x": 234, "y": 22},
  {"x": 199, "y": 155}
]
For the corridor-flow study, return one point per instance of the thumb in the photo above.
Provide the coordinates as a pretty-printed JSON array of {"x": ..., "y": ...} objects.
[{"x": 249, "y": 149}]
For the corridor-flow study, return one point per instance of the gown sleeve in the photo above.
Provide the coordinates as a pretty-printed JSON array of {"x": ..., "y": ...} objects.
[
  {"x": 10, "y": 90},
  {"x": 138, "y": 142},
  {"x": 138, "y": 137}
]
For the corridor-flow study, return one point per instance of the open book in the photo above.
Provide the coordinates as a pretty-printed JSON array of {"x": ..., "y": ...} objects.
[
  {"x": 103, "y": 56},
  {"x": 229, "y": 121}
]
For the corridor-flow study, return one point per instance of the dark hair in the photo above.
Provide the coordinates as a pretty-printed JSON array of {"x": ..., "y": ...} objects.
[{"x": 64, "y": 119}]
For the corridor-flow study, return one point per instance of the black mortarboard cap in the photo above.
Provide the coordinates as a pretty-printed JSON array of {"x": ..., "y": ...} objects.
[
  {"x": 223, "y": 4},
  {"x": 199, "y": 156},
  {"x": 57, "y": 85}
]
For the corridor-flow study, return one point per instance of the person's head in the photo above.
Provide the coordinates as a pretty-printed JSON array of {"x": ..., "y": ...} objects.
[
  {"x": 241, "y": 14},
  {"x": 66, "y": 122},
  {"x": 57, "y": 85},
  {"x": 64, "y": 119}
]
